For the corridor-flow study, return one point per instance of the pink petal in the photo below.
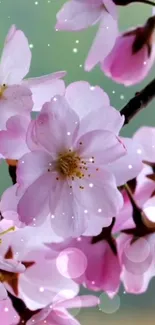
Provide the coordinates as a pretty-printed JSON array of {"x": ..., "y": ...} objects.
[
  {"x": 9, "y": 202},
  {"x": 136, "y": 260},
  {"x": 67, "y": 216},
  {"x": 17, "y": 101},
  {"x": 8, "y": 314},
  {"x": 84, "y": 98},
  {"x": 111, "y": 8},
  {"x": 89, "y": 145},
  {"x": 106, "y": 275},
  {"x": 78, "y": 302},
  {"x": 103, "y": 118},
  {"x": 31, "y": 166},
  {"x": 95, "y": 225},
  {"x": 56, "y": 287},
  {"x": 3, "y": 293},
  {"x": 56, "y": 317},
  {"x": 45, "y": 87},
  {"x": 100, "y": 195},
  {"x": 146, "y": 137},
  {"x": 33, "y": 206},
  {"x": 31, "y": 138},
  {"x": 130, "y": 164},
  {"x": 13, "y": 141},
  {"x": 56, "y": 126},
  {"x": 11, "y": 265},
  {"x": 104, "y": 41},
  {"x": 15, "y": 60},
  {"x": 77, "y": 15},
  {"x": 136, "y": 284}
]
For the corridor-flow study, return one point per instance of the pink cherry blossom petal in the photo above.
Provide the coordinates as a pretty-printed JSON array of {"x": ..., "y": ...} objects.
[
  {"x": 31, "y": 166},
  {"x": 9, "y": 202},
  {"x": 79, "y": 301},
  {"x": 45, "y": 87},
  {"x": 13, "y": 141},
  {"x": 108, "y": 32},
  {"x": 84, "y": 98},
  {"x": 77, "y": 15},
  {"x": 67, "y": 216},
  {"x": 146, "y": 137},
  {"x": 89, "y": 145},
  {"x": 3, "y": 293},
  {"x": 130, "y": 164},
  {"x": 103, "y": 118},
  {"x": 59, "y": 122},
  {"x": 102, "y": 198},
  {"x": 15, "y": 60},
  {"x": 9, "y": 316},
  {"x": 17, "y": 101},
  {"x": 37, "y": 194}
]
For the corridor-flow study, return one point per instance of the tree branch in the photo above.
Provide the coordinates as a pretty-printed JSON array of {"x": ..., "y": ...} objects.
[{"x": 138, "y": 102}]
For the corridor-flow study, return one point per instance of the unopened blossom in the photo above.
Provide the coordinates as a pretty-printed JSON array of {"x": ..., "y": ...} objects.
[
  {"x": 15, "y": 95},
  {"x": 132, "y": 56},
  {"x": 41, "y": 281},
  {"x": 56, "y": 313},
  {"x": 77, "y": 15}
]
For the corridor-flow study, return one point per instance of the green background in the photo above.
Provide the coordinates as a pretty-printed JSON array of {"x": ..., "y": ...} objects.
[{"x": 53, "y": 51}]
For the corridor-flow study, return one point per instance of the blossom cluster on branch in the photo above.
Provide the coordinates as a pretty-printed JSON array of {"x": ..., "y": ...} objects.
[{"x": 81, "y": 210}]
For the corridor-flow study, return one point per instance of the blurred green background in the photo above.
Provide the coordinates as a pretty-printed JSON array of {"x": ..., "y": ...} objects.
[{"x": 53, "y": 51}]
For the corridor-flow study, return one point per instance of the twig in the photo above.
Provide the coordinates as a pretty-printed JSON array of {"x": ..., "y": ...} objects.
[
  {"x": 127, "y": 2},
  {"x": 138, "y": 102}
]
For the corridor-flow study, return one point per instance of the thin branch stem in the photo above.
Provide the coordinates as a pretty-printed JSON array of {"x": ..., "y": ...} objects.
[
  {"x": 126, "y": 2},
  {"x": 138, "y": 102}
]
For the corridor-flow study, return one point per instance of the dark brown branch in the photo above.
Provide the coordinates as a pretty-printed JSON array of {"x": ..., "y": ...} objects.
[
  {"x": 12, "y": 173},
  {"x": 138, "y": 102},
  {"x": 126, "y": 2}
]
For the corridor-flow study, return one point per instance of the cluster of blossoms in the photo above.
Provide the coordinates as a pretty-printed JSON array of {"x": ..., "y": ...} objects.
[{"x": 82, "y": 195}]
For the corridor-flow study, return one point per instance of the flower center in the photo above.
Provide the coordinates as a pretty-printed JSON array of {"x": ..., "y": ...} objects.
[
  {"x": 68, "y": 164},
  {"x": 2, "y": 89}
]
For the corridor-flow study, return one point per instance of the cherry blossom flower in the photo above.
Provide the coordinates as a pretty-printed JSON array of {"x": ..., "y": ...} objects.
[
  {"x": 132, "y": 56},
  {"x": 57, "y": 313},
  {"x": 78, "y": 15},
  {"x": 75, "y": 123},
  {"x": 14, "y": 66},
  {"x": 41, "y": 281},
  {"x": 64, "y": 169}
]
